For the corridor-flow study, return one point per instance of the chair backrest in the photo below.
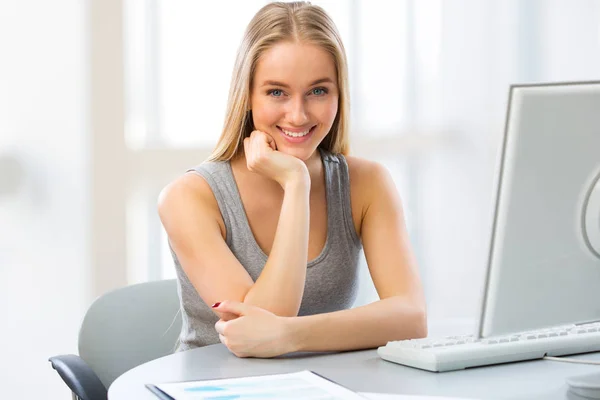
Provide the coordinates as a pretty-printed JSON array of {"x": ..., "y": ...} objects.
[{"x": 130, "y": 326}]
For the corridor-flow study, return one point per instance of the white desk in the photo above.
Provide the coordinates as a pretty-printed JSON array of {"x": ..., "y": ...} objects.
[{"x": 361, "y": 371}]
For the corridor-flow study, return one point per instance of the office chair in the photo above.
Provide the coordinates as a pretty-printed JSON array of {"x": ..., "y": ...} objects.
[{"x": 121, "y": 330}]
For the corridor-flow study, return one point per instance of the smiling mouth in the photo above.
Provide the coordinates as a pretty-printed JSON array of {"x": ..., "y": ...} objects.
[{"x": 296, "y": 134}]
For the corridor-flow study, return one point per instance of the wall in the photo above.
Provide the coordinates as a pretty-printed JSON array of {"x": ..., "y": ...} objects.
[{"x": 44, "y": 222}]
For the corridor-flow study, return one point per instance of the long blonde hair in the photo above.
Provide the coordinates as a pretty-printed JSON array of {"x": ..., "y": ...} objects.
[{"x": 274, "y": 23}]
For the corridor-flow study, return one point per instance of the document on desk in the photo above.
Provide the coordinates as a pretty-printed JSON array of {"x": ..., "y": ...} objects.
[{"x": 296, "y": 385}]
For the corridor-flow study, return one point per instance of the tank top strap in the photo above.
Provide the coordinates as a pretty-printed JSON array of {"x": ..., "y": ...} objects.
[{"x": 339, "y": 209}]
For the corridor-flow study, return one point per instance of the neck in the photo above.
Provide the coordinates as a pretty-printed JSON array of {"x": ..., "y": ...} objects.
[{"x": 314, "y": 165}]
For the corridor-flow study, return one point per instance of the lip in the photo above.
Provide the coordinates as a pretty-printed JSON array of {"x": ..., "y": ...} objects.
[
  {"x": 295, "y": 130},
  {"x": 297, "y": 139}
]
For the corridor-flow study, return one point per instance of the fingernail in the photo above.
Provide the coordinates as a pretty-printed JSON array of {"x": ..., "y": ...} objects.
[{"x": 216, "y": 305}]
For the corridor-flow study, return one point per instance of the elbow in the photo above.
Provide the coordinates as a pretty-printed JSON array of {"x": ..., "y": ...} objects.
[
  {"x": 419, "y": 324},
  {"x": 414, "y": 321}
]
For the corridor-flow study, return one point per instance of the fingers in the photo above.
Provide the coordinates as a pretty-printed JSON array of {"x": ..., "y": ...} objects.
[
  {"x": 232, "y": 307},
  {"x": 227, "y": 311},
  {"x": 220, "y": 327},
  {"x": 256, "y": 145},
  {"x": 260, "y": 143},
  {"x": 227, "y": 316},
  {"x": 271, "y": 141},
  {"x": 262, "y": 138}
]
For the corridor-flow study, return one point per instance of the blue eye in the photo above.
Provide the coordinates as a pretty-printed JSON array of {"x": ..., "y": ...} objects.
[
  {"x": 319, "y": 91},
  {"x": 276, "y": 92}
]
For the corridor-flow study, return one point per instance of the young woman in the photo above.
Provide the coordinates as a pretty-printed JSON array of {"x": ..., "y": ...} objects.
[{"x": 268, "y": 231}]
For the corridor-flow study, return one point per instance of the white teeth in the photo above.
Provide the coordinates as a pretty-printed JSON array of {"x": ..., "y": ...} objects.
[{"x": 295, "y": 134}]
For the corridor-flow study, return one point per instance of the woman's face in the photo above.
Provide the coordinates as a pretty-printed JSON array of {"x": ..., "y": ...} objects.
[{"x": 295, "y": 96}]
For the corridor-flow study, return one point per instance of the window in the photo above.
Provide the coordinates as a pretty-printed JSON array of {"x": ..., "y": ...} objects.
[{"x": 429, "y": 83}]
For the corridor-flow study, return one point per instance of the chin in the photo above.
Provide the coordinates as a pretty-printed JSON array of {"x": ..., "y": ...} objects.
[{"x": 302, "y": 154}]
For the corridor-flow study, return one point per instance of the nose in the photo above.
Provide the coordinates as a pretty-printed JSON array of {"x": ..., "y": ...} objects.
[{"x": 297, "y": 114}]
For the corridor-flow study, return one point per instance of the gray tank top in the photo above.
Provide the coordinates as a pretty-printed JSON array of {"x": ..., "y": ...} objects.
[{"x": 331, "y": 278}]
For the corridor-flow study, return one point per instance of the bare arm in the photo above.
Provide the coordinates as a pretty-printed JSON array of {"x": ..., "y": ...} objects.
[
  {"x": 280, "y": 286},
  {"x": 369, "y": 326},
  {"x": 191, "y": 219},
  {"x": 399, "y": 314},
  {"x": 190, "y": 214}
]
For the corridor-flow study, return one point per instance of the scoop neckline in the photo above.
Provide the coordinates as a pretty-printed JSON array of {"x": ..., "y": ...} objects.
[{"x": 246, "y": 223}]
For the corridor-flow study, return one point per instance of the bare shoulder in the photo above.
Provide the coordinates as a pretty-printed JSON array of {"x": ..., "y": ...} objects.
[
  {"x": 188, "y": 189},
  {"x": 188, "y": 197},
  {"x": 368, "y": 181},
  {"x": 367, "y": 175}
]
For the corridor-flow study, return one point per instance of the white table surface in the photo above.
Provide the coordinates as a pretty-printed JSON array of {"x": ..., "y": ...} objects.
[{"x": 362, "y": 371}]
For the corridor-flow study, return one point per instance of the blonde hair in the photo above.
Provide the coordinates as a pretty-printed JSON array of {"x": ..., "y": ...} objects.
[{"x": 274, "y": 23}]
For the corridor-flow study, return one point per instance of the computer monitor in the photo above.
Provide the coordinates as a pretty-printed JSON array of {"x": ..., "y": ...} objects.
[{"x": 544, "y": 260}]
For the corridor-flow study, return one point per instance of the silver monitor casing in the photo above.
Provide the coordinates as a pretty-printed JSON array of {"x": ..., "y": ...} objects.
[{"x": 544, "y": 261}]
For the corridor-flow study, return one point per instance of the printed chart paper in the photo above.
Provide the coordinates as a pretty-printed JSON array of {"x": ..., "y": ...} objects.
[{"x": 297, "y": 385}]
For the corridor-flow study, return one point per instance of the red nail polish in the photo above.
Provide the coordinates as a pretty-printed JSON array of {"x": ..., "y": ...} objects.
[{"x": 216, "y": 305}]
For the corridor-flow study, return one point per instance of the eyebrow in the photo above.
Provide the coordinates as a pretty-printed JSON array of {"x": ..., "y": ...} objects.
[{"x": 276, "y": 83}]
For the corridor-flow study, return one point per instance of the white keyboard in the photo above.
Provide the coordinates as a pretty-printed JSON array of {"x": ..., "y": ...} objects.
[{"x": 459, "y": 352}]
